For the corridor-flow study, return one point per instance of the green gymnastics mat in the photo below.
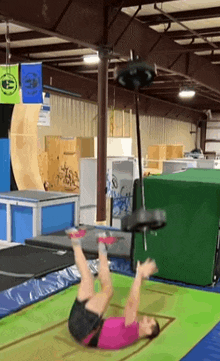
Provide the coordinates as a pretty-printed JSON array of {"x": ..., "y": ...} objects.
[{"x": 39, "y": 332}]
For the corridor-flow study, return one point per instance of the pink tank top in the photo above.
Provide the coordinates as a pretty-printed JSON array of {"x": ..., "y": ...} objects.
[{"x": 114, "y": 335}]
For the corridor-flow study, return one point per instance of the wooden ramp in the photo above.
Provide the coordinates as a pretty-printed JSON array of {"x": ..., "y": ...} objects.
[{"x": 24, "y": 155}]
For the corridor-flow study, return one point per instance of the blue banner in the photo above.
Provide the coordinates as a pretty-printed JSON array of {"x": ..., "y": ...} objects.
[{"x": 31, "y": 83}]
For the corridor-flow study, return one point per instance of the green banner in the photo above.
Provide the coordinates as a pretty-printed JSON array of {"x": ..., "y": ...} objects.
[{"x": 9, "y": 84}]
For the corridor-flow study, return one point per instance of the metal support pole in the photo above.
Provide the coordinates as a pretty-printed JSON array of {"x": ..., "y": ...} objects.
[
  {"x": 197, "y": 130},
  {"x": 203, "y": 135},
  {"x": 102, "y": 135}
]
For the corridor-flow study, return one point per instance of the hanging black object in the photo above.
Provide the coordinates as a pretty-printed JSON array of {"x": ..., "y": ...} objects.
[
  {"x": 142, "y": 218},
  {"x": 135, "y": 75}
]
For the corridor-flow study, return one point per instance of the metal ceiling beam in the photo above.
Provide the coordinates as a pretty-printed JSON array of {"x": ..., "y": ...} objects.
[
  {"x": 200, "y": 46},
  {"x": 25, "y": 35},
  {"x": 184, "y": 34},
  {"x": 168, "y": 93},
  {"x": 200, "y": 14},
  {"x": 173, "y": 93},
  {"x": 167, "y": 84},
  {"x": 44, "y": 48},
  {"x": 166, "y": 54},
  {"x": 167, "y": 78},
  {"x": 146, "y": 42},
  {"x": 83, "y": 68},
  {"x": 43, "y": 15},
  {"x": 124, "y": 99},
  {"x": 63, "y": 59},
  {"x": 38, "y": 12},
  {"x": 117, "y": 96},
  {"x": 195, "y": 34},
  {"x": 128, "y": 3},
  {"x": 203, "y": 94},
  {"x": 212, "y": 57},
  {"x": 92, "y": 72}
]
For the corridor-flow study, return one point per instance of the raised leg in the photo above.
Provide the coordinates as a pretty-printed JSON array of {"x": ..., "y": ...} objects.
[
  {"x": 86, "y": 286},
  {"x": 100, "y": 301}
]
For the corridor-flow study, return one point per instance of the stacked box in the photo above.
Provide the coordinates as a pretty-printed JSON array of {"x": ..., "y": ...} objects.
[
  {"x": 174, "y": 151},
  {"x": 63, "y": 161},
  {"x": 160, "y": 153}
]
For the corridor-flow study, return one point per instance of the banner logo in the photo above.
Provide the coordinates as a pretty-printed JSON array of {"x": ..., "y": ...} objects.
[
  {"x": 31, "y": 83},
  {"x": 8, "y": 84}
]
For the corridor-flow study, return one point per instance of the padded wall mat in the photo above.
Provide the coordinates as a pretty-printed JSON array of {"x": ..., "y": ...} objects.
[
  {"x": 60, "y": 240},
  {"x": 185, "y": 249},
  {"x": 40, "y": 331},
  {"x": 18, "y": 264}
]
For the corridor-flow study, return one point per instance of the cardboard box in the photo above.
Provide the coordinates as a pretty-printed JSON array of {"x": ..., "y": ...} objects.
[
  {"x": 174, "y": 151},
  {"x": 58, "y": 145},
  {"x": 157, "y": 151},
  {"x": 163, "y": 152},
  {"x": 63, "y": 161}
]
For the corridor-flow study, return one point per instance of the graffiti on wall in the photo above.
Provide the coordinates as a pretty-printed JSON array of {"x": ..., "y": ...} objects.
[
  {"x": 122, "y": 197},
  {"x": 68, "y": 177}
]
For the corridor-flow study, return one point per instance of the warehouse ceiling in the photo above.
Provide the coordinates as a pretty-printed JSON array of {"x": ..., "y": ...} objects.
[{"x": 180, "y": 38}]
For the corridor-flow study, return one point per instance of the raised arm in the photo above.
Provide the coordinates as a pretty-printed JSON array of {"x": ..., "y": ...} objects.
[{"x": 143, "y": 271}]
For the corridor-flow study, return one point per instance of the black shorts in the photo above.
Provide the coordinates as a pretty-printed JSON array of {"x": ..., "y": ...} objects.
[{"x": 82, "y": 322}]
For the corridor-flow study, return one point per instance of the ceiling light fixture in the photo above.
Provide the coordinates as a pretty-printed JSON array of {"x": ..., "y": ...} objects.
[
  {"x": 187, "y": 93},
  {"x": 91, "y": 59}
]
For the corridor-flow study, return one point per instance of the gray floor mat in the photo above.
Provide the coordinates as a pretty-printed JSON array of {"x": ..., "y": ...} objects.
[{"x": 60, "y": 240}]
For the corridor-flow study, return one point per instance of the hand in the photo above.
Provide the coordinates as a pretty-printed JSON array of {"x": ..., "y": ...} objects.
[{"x": 147, "y": 269}]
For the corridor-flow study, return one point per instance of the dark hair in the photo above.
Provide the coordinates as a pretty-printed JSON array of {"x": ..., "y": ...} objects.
[{"x": 155, "y": 332}]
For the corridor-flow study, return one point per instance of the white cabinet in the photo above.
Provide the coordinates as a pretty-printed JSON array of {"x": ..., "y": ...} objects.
[
  {"x": 208, "y": 163},
  {"x": 120, "y": 174},
  {"x": 172, "y": 166}
]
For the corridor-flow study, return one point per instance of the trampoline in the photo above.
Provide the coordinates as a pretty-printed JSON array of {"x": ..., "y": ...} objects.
[
  {"x": 40, "y": 331},
  {"x": 20, "y": 263},
  {"x": 188, "y": 316}
]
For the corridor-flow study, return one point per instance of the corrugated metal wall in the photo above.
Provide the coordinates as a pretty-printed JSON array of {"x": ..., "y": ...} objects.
[
  {"x": 156, "y": 130},
  {"x": 69, "y": 118},
  {"x": 72, "y": 117}
]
